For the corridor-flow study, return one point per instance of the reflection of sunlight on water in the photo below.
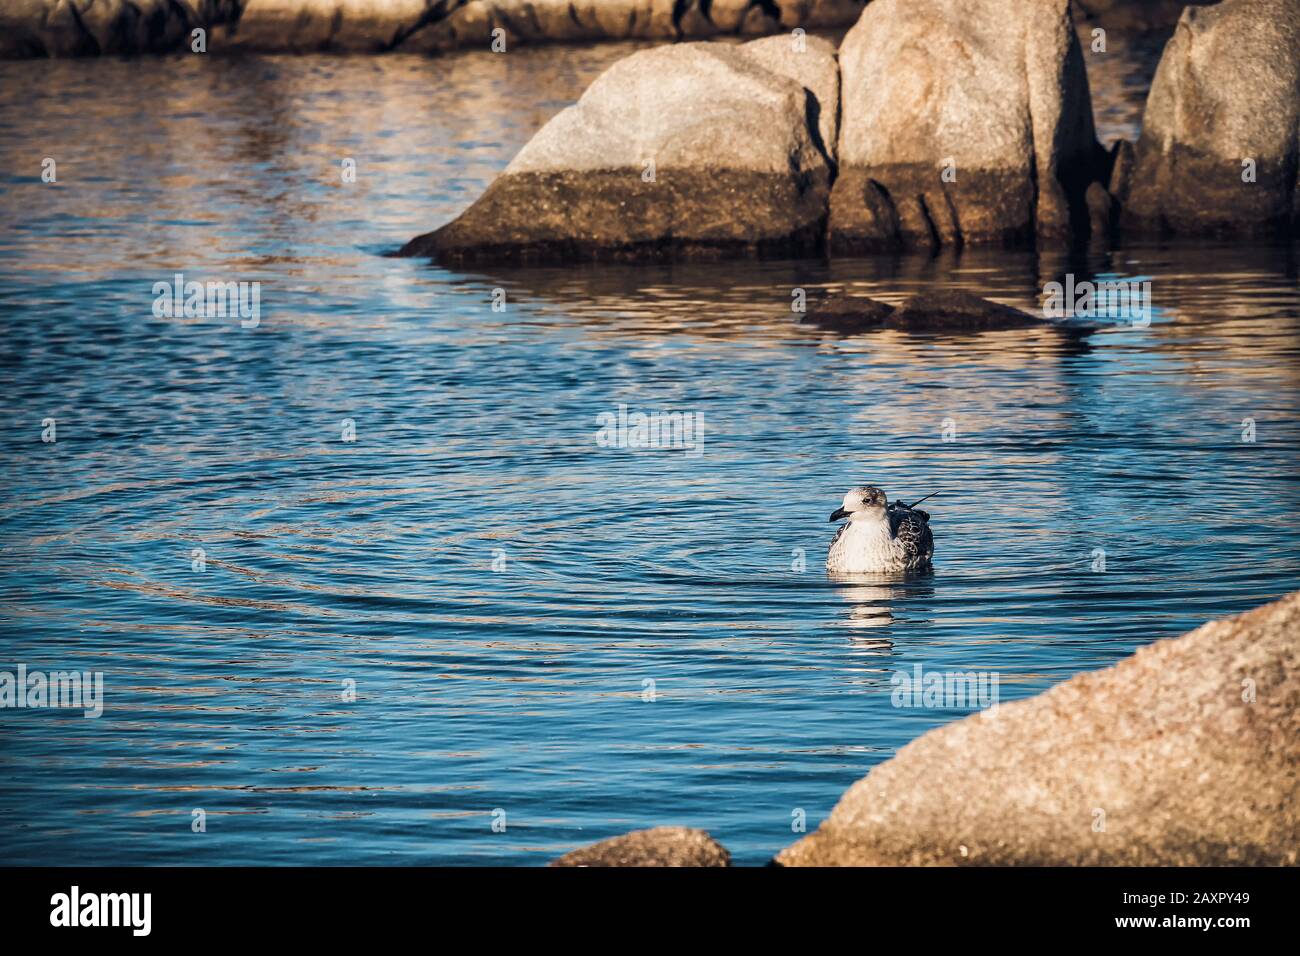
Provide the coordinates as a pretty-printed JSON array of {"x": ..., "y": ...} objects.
[
  {"x": 867, "y": 615},
  {"x": 872, "y": 603}
]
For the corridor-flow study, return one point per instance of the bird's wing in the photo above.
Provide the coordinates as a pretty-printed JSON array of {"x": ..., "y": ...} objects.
[{"x": 913, "y": 530}]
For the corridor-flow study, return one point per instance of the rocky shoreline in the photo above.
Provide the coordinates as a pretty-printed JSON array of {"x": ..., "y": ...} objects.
[
  {"x": 937, "y": 123},
  {"x": 38, "y": 28},
  {"x": 1187, "y": 753},
  {"x": 32, "y": 28}
]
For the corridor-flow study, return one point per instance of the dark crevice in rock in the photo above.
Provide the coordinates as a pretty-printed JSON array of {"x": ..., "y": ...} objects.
[
  {"x": 928, "y": 220},
  {"x": 534, "y": 24},
  {"x": 336, "y": 23},
  {"x": 435, "y": 12},
  {"x": 813, "y": 112},
  {"x": 1076, "y": 198},
  {"x": 88, "y": 38},
  {"x": 182, "y": 16},
  {"x": 302, "y": 24},
  {"x": 839, "y": 109},
  {"x": 509, "y": 23},
  {"x": 679, "y": 11},
  {"x": 877, "y": 198},
  {"x": 1033, "y": 175},
  {"x": 954, "y": 219},
  {"x": 1101, "y": 214}
]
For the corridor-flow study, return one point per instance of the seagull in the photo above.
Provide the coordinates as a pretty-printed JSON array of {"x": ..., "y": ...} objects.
[{"x": 879, "y": 536}]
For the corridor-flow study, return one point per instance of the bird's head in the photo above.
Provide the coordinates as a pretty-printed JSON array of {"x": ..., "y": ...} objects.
[{"x": 862, "y": 503}]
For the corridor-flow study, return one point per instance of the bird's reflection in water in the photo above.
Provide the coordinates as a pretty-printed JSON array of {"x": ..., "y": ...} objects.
[{"x": 873, "y": 600}]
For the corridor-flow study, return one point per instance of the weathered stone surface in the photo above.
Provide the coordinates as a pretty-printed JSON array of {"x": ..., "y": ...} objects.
[
  {"x": 810, "y": 62},
  {"x": 943, "y": 311},
  {"x": 471, "y": 24},
  {"x": 661, "y": 846},
  {"x": 302, "y": 26},
  {"x": 85, "y": 27},
  {"x": 993, "y": 89},
  {"x": 1186, "y": 753},
  {"x": 737, "y": 167},
  {"x": 1227, "y": 92}
]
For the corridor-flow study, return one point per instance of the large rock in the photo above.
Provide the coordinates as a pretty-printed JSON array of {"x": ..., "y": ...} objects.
[
  {"x": 661, "y": 846},
  {"x": 996, "y": 91},
  {"x": 84, "y": 27},
  {"x": 697, "y": 149},
  {"x": 1186, "y": 753},
  {"x": 1227, "y": 91}
]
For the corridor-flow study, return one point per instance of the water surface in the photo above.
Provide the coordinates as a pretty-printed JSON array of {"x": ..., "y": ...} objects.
[{"x": 524, "y": 689}]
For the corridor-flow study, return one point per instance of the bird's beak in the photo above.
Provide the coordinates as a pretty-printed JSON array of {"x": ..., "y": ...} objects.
[{"x": 839, "y": 514}]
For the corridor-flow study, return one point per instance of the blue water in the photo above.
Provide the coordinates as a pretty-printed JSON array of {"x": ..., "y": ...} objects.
[{"x": 496, "y": 585}]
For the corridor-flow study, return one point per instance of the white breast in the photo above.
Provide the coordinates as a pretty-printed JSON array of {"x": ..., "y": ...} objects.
[{"x": 866, "y": 546}]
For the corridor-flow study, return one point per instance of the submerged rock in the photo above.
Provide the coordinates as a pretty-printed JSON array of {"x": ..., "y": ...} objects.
[
  {"x": 959, "y": 310},
  {"x": 1219, "y": 148},
  {"x": 847, "y": 314},
  {"x": 1185, "y": 754},
  {"x": 698, "y": 149},
  {"x": 962, "y": 121},
  {"x": 945, "y": 311},
  {"x": 661, "y": 846}
]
